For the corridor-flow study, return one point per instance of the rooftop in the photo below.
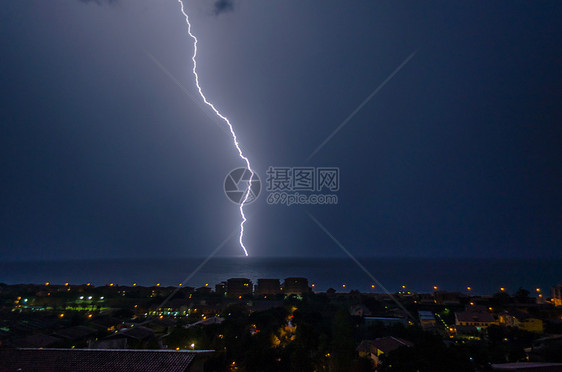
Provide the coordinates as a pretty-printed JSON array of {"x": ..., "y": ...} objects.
[
  {"x": 470, "y": 316},
  {"x": 88, "y": 360}
]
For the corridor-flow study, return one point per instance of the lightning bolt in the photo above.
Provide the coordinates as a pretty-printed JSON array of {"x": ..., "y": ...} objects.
[{"x": 225, "y": 119}]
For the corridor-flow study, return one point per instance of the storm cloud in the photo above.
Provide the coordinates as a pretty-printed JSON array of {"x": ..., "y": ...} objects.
[{"x": 223, "y": 6}]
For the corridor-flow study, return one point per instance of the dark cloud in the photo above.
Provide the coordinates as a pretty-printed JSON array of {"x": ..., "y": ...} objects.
[{"x": 223, "y": 6}]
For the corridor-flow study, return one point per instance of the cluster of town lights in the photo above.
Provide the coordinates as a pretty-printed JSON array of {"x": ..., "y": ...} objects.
[{"x": 435, "y": 287}]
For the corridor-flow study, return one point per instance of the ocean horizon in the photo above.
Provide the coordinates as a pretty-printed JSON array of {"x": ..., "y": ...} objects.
[{"x": 484, "y": 275}]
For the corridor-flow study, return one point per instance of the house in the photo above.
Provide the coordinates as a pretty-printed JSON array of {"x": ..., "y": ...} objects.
[
  {"x": 138, "y": 337},
  {"x": 448, "y": 298},
  {"x": 107, "y": 323},
  {"x": 160, "y": 326},
  {"x": 206, "y": 321},
  {"x": 263, "y": 305},
  {"x": 546, "y": 350},
  {"x": 203, "y": 309},
  {"x": 521, "y": 320},
  {"x": 359, "y": 310},
  {"x": 387, "y": 321},
  {"x": 427, "y": 319},
  {"x": 204, "y": 290},
  {"x": 79, "y": 336},
  {"x": 556, "y": 294},
  {"x": 38, "y": 341},
  {"x": 375, "y": 348},
  {"x": 479, "y": 319},
  {"x": 468, "y": 332}
]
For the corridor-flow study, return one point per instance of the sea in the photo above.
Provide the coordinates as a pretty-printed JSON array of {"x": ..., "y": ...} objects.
[{"x": 483, "y": 276}]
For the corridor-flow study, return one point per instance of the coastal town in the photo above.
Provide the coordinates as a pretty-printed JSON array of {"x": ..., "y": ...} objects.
[{"x": 278, "y": 325}]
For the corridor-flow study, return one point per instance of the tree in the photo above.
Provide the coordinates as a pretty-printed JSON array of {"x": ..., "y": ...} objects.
[
  {"x": 522, "y": 295},
  {"x": 343, "y": 345},
  {"x": 500, "y": 299},
  {"x": 430, "y": 354}
]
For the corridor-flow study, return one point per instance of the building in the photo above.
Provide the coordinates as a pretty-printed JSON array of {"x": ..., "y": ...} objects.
[
  {"x": 204, "y": 290},
  {"x": 268, "y": 287},
  {"x": 221, "y": 288},
  {"x": 521, "y": 320},
  {"x": 387, "y": 321},
  {"x": 427, "y": 319},
  {"x": 38, "y": 341},
  {"x": 479, "y": 319},
  {"x": 545, "y": 349},
  {"x": 205, "y": 322},
  {"x": 527, "y": 367},
  {"x": 238, "y": 287},
  {"x": 531, "y": 324},
  {"x": 296, "y": 286},
  {"x": 138, "y": 337},
  {"x": 556, "y": 294},
  {"x": 79, "y": 336},
  {"x": 359, "y": 310},
  {"x": 89, "y": 360},
  {"x": 467, "y": 332},
  {"x": 448, "y": 298},
  {"x": 375, "y": 348}
]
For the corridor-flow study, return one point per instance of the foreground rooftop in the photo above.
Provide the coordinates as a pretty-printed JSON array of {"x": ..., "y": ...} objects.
[{"x": 96, "y": 360}]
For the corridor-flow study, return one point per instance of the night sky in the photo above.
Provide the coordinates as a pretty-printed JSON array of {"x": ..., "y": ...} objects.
[{"x": 104, "y": 155}]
